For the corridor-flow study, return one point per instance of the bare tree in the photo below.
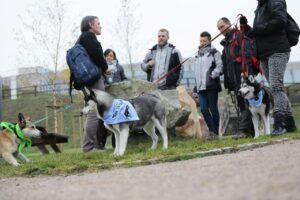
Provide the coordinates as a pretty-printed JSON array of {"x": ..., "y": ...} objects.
[
  {"x": 49, "y": 36},
  {"x": 126, "y": 27}
]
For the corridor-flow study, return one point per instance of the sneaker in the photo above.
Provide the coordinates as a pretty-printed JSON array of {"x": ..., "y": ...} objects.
[
  {"x": 212, "y": 136},
  {"x": 278, "y": 131}
]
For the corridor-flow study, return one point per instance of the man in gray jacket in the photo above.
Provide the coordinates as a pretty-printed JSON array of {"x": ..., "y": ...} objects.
[{"x": 162, "y": 58}]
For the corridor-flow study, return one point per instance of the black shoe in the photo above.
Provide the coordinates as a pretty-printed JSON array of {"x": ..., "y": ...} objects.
[
  {"x": 279, "y": 124},
  {"x": 278, "y": 131},
  {"x": 290, "y": 124}
]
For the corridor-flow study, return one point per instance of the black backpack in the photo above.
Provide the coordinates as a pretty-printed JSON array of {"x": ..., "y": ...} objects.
[{"x": 292, "y": 31}]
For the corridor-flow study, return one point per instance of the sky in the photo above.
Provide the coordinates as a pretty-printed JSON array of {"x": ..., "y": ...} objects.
[{"x": 184, "y": 19}]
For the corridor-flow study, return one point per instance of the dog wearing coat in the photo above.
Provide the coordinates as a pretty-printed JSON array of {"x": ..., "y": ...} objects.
[
  {"x": 260, "y": 101},
  {"x": 10, "y": 140},
  {"x": 150, "y": 115}
]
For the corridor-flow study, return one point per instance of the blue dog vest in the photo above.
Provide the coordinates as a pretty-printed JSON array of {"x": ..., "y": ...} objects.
[
  {"x": 256, "y": 102},
  {"x": 120, "y": 111}
]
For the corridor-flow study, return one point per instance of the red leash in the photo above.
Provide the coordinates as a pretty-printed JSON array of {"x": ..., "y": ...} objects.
[{"x": 180, "y": 64}]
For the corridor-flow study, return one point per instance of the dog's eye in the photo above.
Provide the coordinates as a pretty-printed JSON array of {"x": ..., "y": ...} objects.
[{"x": 32, "y": 127}]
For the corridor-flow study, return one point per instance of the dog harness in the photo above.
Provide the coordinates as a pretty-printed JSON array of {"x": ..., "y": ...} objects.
[
  {"x": 15, "y": 128},
  {"x": 257, "y": 100},
  {"x": 120, "y": 111}
]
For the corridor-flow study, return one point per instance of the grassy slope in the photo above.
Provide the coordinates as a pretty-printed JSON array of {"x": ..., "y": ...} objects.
[{"x": 74, "y": 161}]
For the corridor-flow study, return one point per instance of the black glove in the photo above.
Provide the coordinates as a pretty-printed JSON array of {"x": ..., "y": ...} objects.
[{"x": 243, "y": 20}]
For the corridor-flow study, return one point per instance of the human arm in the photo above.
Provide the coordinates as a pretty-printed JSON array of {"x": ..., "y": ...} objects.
[
  {"x": 277, "y": 22},
  {"x": 219, "y": 65}
]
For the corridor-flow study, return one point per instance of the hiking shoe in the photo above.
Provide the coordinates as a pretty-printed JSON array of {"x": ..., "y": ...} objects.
[
  {"x": 290, "y": 124},
  {"x": 278, "y": 131}
]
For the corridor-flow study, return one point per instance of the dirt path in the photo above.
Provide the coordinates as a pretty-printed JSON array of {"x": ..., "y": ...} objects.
[{"x": 272, "y": 172}]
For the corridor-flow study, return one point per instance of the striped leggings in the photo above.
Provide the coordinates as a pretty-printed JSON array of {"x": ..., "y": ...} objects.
[{"x": 274, "y": 67}]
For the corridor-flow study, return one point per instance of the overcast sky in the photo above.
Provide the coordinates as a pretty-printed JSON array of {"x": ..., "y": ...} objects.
[{"x": 185, "y": 19}]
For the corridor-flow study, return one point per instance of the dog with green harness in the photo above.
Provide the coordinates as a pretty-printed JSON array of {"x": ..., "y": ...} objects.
[{"x": 15, "y": 137}]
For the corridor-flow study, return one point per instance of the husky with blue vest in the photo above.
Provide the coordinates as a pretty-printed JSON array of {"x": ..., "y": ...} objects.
[
  {"x": 15, "y": 137},
  {"x": 120, "y": 116},
  {"x": 260, "y": 101}
]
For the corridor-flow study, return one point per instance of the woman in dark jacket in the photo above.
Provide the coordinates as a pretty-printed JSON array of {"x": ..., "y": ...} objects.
[
  {"x": 94, "y": 130},
  {"x": 273, "y": 50},
  {"x": 117, "y": 71}
]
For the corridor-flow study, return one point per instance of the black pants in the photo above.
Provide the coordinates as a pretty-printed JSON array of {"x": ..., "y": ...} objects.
[
  {"x": 102, "y": 134},
  {"x": 245, "y": 121}
]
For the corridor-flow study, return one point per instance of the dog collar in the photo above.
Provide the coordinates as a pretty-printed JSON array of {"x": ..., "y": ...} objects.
[
  {"x": 25, "y": 141},
  {"x": 257, "y": 100}
]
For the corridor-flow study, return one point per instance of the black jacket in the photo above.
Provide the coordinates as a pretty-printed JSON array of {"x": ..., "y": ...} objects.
[
  {"x": 269, "y": 28},
  {"x": 89, "y": 41},
  {"x": 231, "y": 68}
]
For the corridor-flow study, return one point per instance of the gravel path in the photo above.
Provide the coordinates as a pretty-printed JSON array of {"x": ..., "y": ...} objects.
[{"x": 271, "y": 172}]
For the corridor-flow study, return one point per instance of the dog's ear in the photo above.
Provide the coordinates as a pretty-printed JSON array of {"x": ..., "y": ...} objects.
[{"x": 22, "y": 120}]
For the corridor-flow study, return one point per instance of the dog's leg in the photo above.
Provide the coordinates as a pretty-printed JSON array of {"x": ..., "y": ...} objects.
[
  {"x": 124, "y": 133},
  {"x": 10, "y": 158},
  {"x": 115, "y": 130},
  {"x": 255, "y": 118},
  {"x": 267, "y": 129},
  {"x": 149, "y": 128},
  {"x": 23, "y": 157},
  {"x": 162, "y": 130}
]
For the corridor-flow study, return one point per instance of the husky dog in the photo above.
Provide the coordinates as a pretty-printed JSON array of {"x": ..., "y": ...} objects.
[
  {"x": 9, "y": 142},
  {"x": 260, "y": 101},
  {"x": 150, "y": 111}
]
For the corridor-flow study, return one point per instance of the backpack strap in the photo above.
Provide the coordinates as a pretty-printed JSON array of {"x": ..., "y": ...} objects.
[{"x": 71, "y": 86}]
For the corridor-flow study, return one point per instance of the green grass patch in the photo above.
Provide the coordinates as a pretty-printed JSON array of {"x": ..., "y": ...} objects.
[{"x": 72, "y": 161}]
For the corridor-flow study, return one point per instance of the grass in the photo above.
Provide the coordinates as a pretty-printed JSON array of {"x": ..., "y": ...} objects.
[{"x": 72, "y": 161}]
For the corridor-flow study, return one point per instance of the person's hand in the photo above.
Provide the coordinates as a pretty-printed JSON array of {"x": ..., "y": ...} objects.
[
  {"x": 243, "y": 20},
  {"x": 151, "y": 63},
  {"x": 108, "y": 70},
  {"x": 214, "y": 74},
  {"x": 195, "y": 95}
]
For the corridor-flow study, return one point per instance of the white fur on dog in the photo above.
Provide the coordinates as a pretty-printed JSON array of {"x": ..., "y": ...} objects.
[{"x": 121, "y": 131}]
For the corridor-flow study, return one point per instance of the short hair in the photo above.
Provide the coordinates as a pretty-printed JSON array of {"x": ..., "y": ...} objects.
[
  {"x": 107, "y": 51},
  {"x": 86, "y": 23},
  {"x": 225, "y": 20},
  {"x": 205, "y": 34},
  {"x": 164, "y": 30}
]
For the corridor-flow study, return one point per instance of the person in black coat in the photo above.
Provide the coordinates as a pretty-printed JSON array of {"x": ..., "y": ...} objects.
[
  {"x": 94, "y": 130},
  {"x": 273, "y": 50},
  {"x": 232, "y": 75}
]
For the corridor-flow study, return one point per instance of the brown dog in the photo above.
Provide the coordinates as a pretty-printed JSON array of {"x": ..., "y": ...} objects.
[{"x": 9, "y": 141}]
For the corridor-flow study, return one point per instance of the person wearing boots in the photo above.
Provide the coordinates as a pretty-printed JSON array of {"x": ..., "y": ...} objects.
[
  {"x": 232, "y": 76},
  {"x": 273, "y": 50}
]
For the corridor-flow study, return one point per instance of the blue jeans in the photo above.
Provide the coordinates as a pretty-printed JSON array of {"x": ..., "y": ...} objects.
[{"x": 208, "y": 101}]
